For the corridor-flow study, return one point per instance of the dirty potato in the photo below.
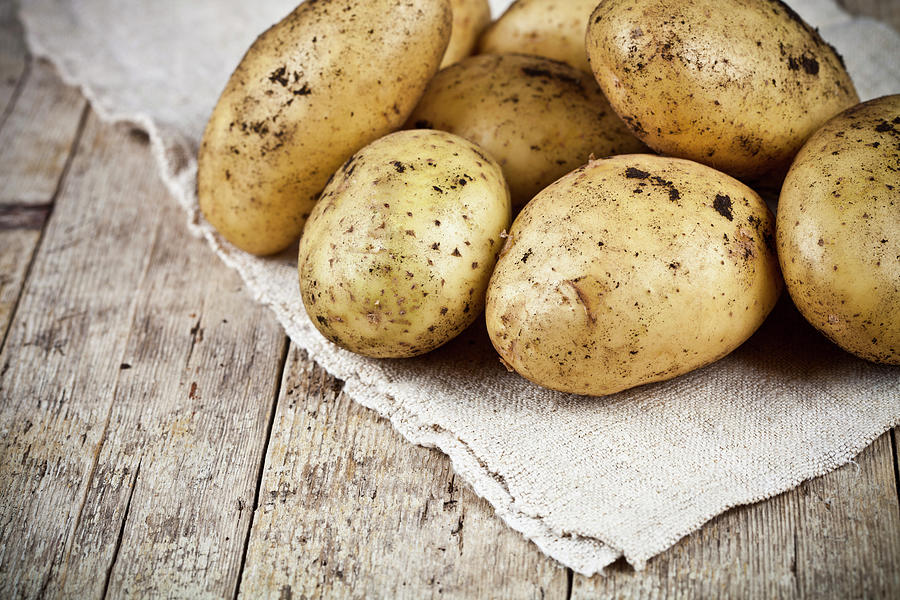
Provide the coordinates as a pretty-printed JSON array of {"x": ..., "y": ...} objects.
[
  {"x": 329, "y": 78},
  {"x": 537, "y": 117},
  {"x": 839, "y": 230},
  {"x": 732, "y": 84},
  {"x": 470, "y": 17},
  {"x": 630, "y": 270},
  {"x": 542, "y": 27},
  {"x": 396, "y": 256}
]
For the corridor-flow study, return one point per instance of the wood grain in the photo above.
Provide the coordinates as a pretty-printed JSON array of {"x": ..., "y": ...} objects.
[
  {"x": 32, "y": 161},
  {"x": 833, "y": 537},
  {"x": 348, "y": 509},
  {"x": 13, "y": 56},
  {"x": 18, "y": 246},
  {"x": 36, "y": 138},
  {"x": 181, "y": 369},
  {"x": 61, "y": 359}
]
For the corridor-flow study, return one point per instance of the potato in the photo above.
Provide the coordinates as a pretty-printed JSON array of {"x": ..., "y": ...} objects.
[
  {"x": 396, "y": 256},
  {"x": 326, "y": 80},
  {"x": 470, "y": 17},
  {"x": 733, "y": 84},
  {"x": 839, "y": 230},
  {"x": 542, "y": 27},
  {"x": 629, "y": 270},
  {"x": 537, "y": 117}
]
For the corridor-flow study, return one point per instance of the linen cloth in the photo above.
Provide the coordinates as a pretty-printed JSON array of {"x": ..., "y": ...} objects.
[{"x": 587, "y": 479}]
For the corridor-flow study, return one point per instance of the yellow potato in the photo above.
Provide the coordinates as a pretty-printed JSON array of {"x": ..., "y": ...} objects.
[
  {"x": 629, "y": 270},
  {"x": 396, "y": 256},
  {"x": 470, "y": 17},
  {"x": 733, "y": 84},
  {"x": 839, "y": 230},
  {"x": 549, "y": 28},
  {"x": 326, "y": 80},
  {"x": 537, "y": 117}
]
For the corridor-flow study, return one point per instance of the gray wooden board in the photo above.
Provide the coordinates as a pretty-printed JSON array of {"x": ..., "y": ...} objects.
[
  {"x": 186, "y": 430},
  {"x": 58, "y": 364},
  {"x": 36, "y": 139},
  {"x": 349, "y": 509},
  {"x": 13, "y": 56},
  {"x": 127, "y": 318},
  {"x": 18, "y": 244}
]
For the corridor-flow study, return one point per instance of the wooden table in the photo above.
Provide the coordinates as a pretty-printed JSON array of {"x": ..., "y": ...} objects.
[{"x": 162, "y": 437}]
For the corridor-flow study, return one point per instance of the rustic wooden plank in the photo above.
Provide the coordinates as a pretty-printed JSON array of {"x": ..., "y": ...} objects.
[
  {"x": 38, "y": 129},
  {"x": 832, "y": 537},
  {"x": 205, "y": 362},
  {"x": 32, "y": 162},
  {"x": 61, "y": 358},
  {"x": 36, "y": 138},
  {"x": 347, "y": 508},
  {"x": 850, "y": 529},
  {"x": 18, "y": 245},
  {"x": 887, "y": 11},
  {"x": 895, "y": 438},
  {"x": 160, "y": 416},
  {"x": 13, "y": 56}
]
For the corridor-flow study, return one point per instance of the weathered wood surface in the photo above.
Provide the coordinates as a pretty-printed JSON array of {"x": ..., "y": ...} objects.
[
  {"x": 132, "y": 446},
  {"x": 347, "y": 508},
  {"x": 37, "y": 137},
  {"x": 13, "y": 56},
  {"x": 36, "y": 141},
  {"x": 187, "y": 423},
  {"x": 18, "y": 244},
  {"x": 132, "y": 352},
  {"x": 57, "y": 373}
]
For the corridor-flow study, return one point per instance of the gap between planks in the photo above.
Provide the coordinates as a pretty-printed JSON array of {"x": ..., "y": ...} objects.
[
  {"x": 118, "y": 545},
  {"x": 16, "y": 92},
  {"x": 259, "y": 478},
  {"x": 896, "y": 449}
]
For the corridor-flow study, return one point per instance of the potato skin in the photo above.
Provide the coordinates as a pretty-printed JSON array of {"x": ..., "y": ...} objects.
[
  {"x": 630, "y": 270},
  {"x": 839, "y": 230},
  {"x": 326, "y": 80},
  {"x": 733, "y": 84},
  {"x": 548, "y": 28},
  {"x": 396, "y": 256},
  {"x": 470, "y": 17},
  {"x": 537, "y": 117}
]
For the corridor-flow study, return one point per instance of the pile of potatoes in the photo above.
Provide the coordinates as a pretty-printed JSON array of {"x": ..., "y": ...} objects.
[{"x": 626, "y": 135}]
